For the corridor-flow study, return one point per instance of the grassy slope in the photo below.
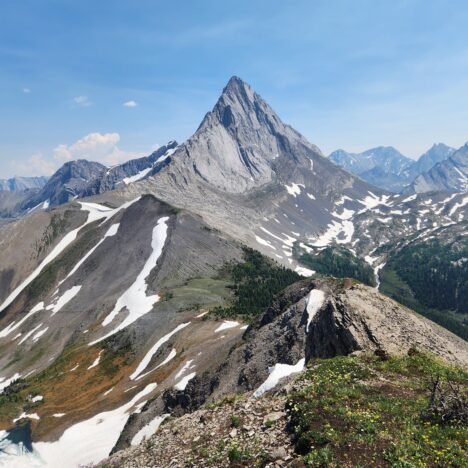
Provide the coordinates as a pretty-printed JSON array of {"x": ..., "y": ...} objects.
[{"x": 362, "y": 411}]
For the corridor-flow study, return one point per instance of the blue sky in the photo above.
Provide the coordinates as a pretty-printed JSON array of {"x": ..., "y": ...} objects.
[{"x": 346, "y": 74}]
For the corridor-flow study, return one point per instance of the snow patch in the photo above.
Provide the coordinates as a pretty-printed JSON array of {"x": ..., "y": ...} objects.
[
  {"x": 96, "y": 361},
  {"x": 226, "y": 325},
  {"x": 147, "y": 358},
  {"x": 148, "y": 430},
  {"x": 294, "y": 189},
  {"x": 184, "y": 381},
  {"x": 304, "y": 271},
  {"x": 314, "y": 302},
  {"x": 277, "y": 372}
]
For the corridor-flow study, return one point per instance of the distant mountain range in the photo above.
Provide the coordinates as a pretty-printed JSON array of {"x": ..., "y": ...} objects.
[
  {"x": 18, "y": 184},
  {"x": 387, "y": 168},
  {"x": 448, "y": 175},
  {"x": 77, "y": 179}
]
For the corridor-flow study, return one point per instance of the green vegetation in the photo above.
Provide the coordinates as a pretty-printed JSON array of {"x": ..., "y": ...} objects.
[
  {"x": 365, "y": 411},
  {"x": 239, "y": 455},
  {"x": 395, "y": 287},
  {"x": 339, "y": 262},
  {"x": 56, "y": 227},
  {"x": 255, "y": 282},
  {"x": 436, "y": 273},
  {"x": 235, "y": 421},
  {"x": 198, "y": 293}
]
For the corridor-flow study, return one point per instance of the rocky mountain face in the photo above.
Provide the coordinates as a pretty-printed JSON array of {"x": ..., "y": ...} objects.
[
  {"x": 437, "y": 153},
  {"x": 307, "y": 321},
  {"x": 387, "y": 168},
  {"x": 19, "y": 184},
  {"x": 111, "y": 306},
  {"x": 82, "y": 178},
  {"x": 449, "y": 175},
  {"x": 66, "y": 184},
  {"x": 131, "y": 171}
]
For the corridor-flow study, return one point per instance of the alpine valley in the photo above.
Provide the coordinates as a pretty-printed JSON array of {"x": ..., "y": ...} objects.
[{"x": 184, "y": 287}]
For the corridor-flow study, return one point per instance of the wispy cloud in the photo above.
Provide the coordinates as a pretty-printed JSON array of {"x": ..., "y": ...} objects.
[
  {"x": 82, "y": 101},
  {"x": 130, "y": 103},
  {"x": 35, "y": 165},
  {"x": 26, "y": 90}
]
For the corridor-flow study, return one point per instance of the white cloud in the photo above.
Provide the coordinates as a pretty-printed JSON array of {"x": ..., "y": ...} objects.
[
  {"x": 100, "y": 147},
  {"x": 26, "y": 90},
  {"x": 82, "y": 101},
  {"x": 35, "y": 165},
  {"x": 130, "y": 104}
]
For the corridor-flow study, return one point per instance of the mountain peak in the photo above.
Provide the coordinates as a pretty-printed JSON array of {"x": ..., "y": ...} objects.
[
  {"x": 239, "y": 97},
  {"x": 236, "y": 84}
]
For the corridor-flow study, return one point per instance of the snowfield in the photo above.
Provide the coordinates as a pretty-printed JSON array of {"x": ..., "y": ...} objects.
[
  {"x": 134, "y": 300},
  {"x": 91, "y": 440}
]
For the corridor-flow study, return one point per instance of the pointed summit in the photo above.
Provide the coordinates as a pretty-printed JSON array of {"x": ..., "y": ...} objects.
[
  {"x": 240, "y": 143},
  {"x": 240, "y": 105}
]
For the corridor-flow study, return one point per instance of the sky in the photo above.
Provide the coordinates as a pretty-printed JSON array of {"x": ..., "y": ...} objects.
[{"x": 109, "y": 80}]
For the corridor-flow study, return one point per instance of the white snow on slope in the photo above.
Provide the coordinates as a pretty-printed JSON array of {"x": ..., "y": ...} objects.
[
  {"x": 64, "y": 299},
  {"x": 346, "y": 214},
  {"x": 5, "y": 382},
  {"x": 134, "y": 300},
  {"x": 95, "y": 212},
  {"x": 140, "y": 175},
  {"x": 226, "y": 325},
  {"x": 343, "y": 199},
  {"x": 335, "y": 229},
  {"x": 13, "y": 326},
  {"x": 458, "y": 205},
  {"x": 88, "y": 441},
  {"x": 184, "y": 381},
  {"x": 304, "y": 271},
  {"x": 277, "y": 372},
  {"x": 376, "y": 273},
  {"x": 112, "y": 231},
  {"x": 30, "y": 332},
  {"x": 294, "y": 189},
  {"x": 314, "y": 302},
  {"x": 27, "y": 416},
  {"x": 264, "y": 242},
  {"x": 39, "y": 334},
  {"x": 410, "y": 198},
  {"x": 372, "y": 201},
  {"x": 170, "y": 356},
  {"x": 148, "y": 356},
  {"x": 96, "y": 361},
  {"x": 148, "y": 430},
  {"x": 186, "y": 367}
]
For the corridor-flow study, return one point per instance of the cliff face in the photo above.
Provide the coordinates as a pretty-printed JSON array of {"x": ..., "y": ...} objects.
[{"x": 309, "y": 319}]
